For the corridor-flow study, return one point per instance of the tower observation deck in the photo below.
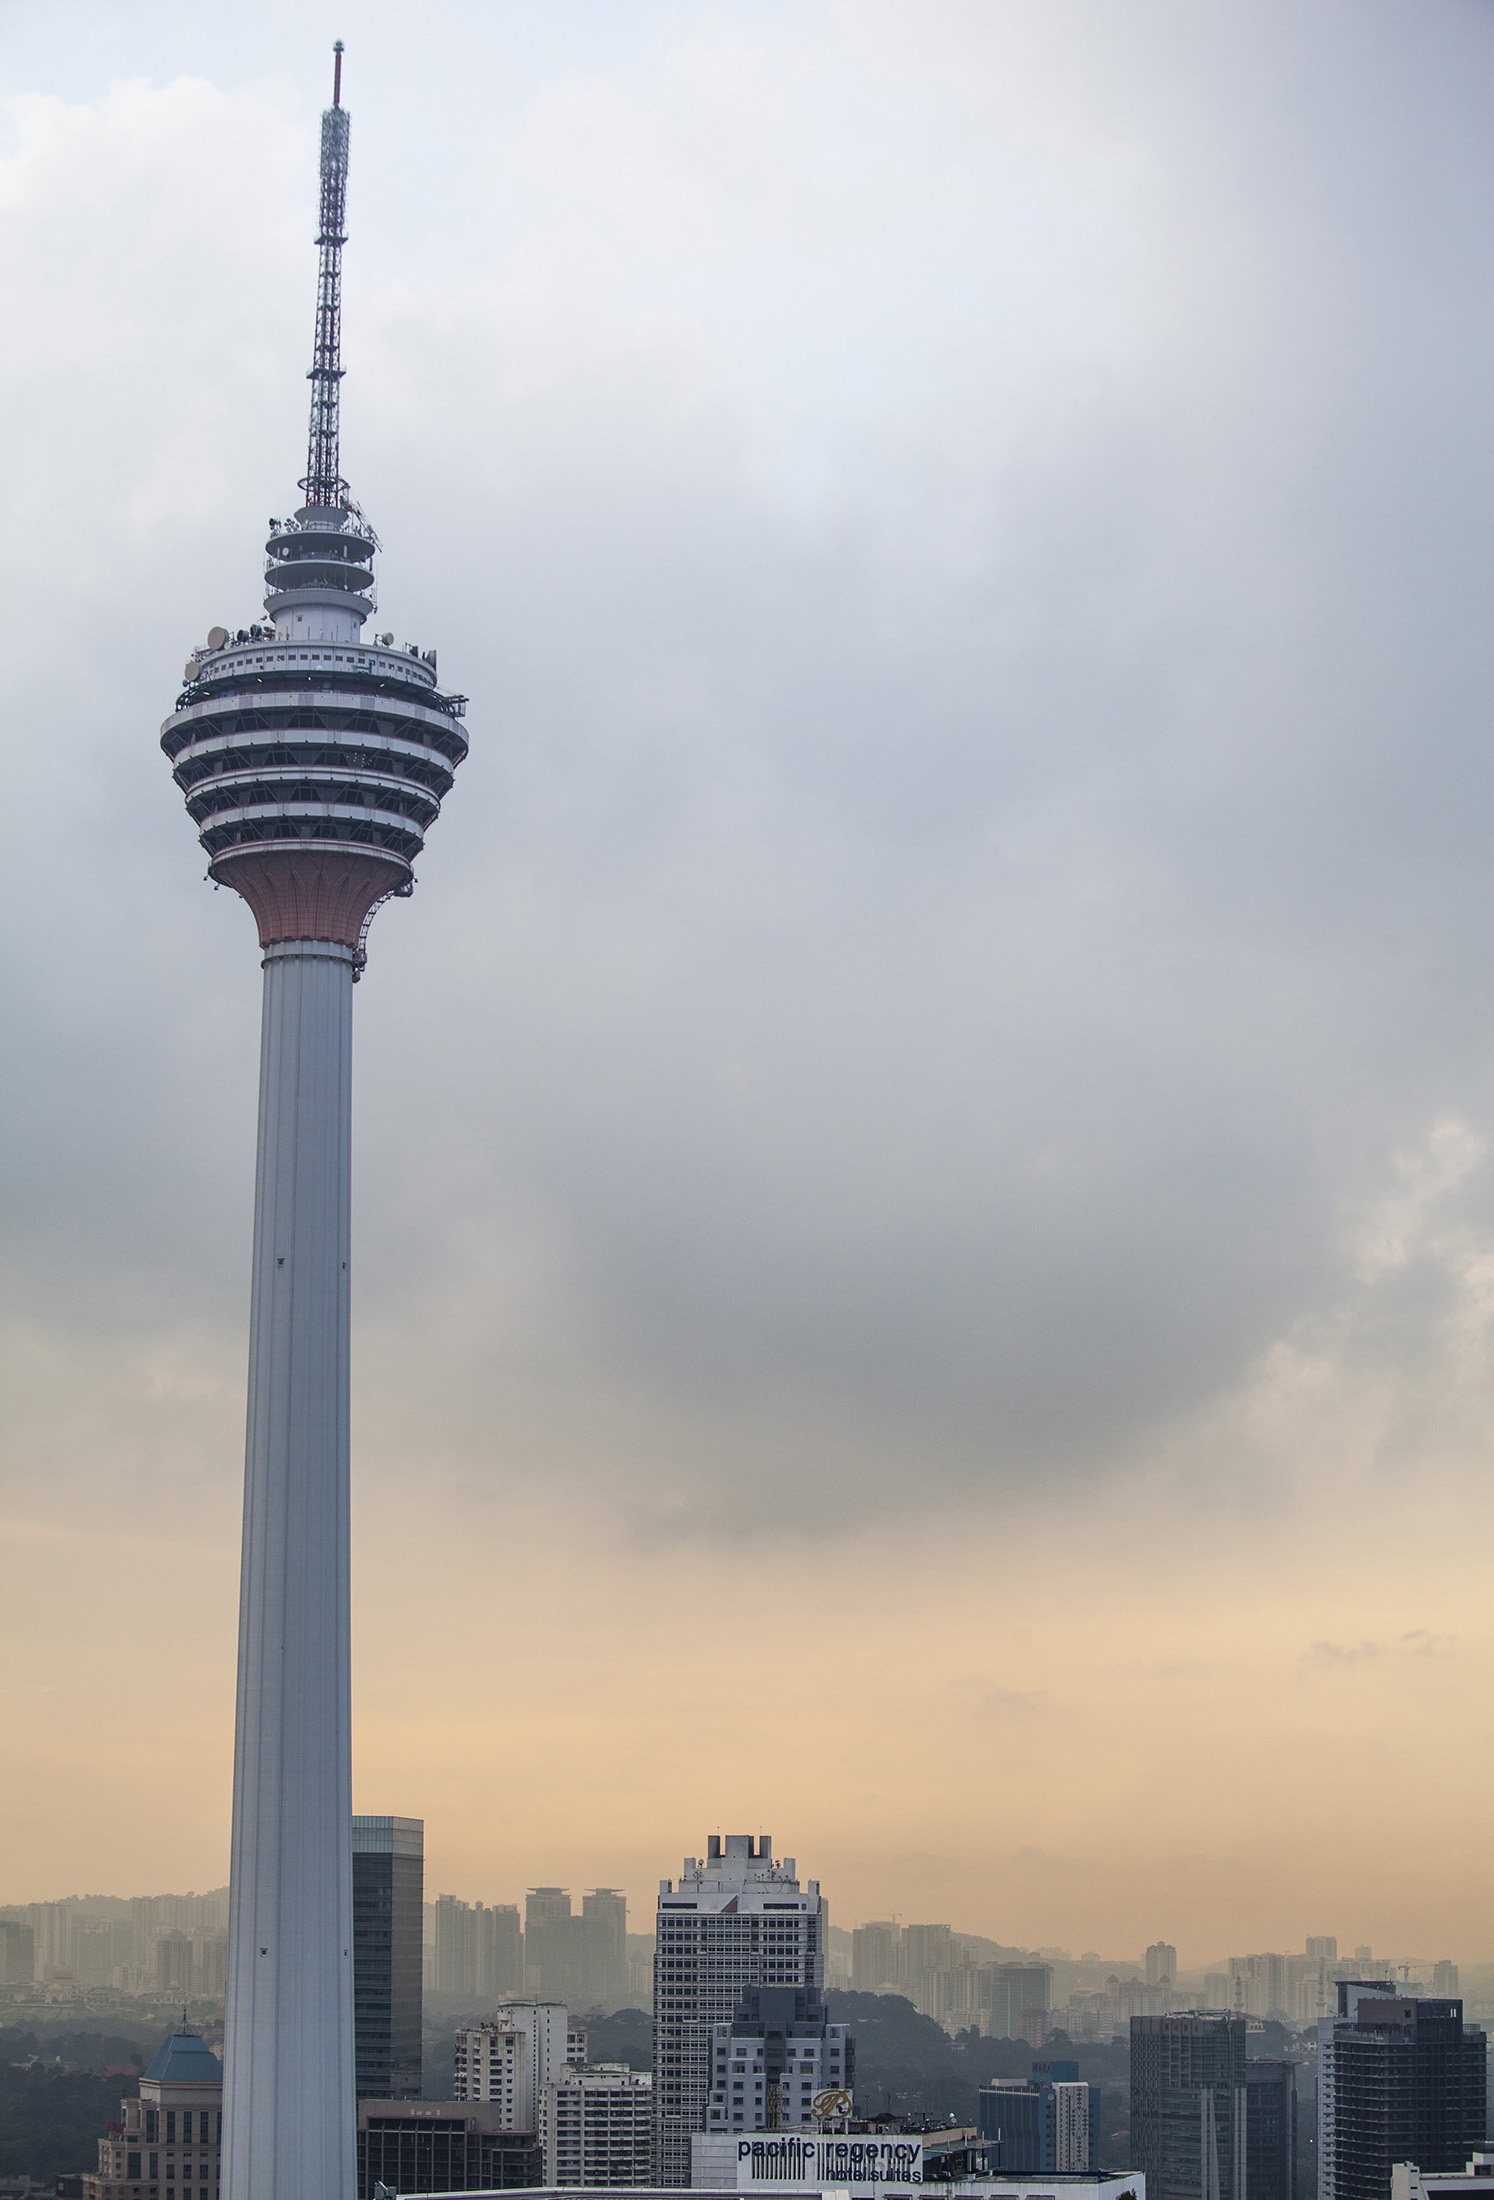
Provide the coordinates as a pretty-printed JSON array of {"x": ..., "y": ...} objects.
[{"x": 313, "y": 763}]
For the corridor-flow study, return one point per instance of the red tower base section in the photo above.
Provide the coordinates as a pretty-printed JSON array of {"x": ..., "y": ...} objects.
[{"x": 316, "y": 896}]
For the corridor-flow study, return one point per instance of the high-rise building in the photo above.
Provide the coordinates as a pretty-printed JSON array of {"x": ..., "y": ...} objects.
[
  {"x": 211, "y": 1961},
  {"x": 604, "y": 1936},
  {"x": 312, "y": 763},
  {"x": 93, "y": 1952},
  {"x": 551, "y": 1945},
  {"x": 1270, "y": 2129},
  {"x": 388, "y": 1915},
  {"x": 1048, "y": 2123},
  {"x": 580, "y": 1958},
  {"x": 1322, "y": 1947},
  {"x": 927, "y": 1952},
  {"x": 169, "y": 2135},
  {"x": 1445, "y": 1980},
  {"x": 455, "y": 1966},
  {"x": 174, "y": 1964},
  {"x": 1260, "y": 1986},
  {"x": 17, "y": 1952},
  {"x": 874, "y": 1958},
  {"x": 477, "y": 1952},
  {"x": 596, "y": 2126},
  {"x": 498, "y": 1951},
  {"x": 510, "y": 2057},
  {"x": 1188, "y": 2106},
  {"x": 441, "y": 2146},
  {"x": 1018, "y": 1997},
  {"x": 770, "y": 2061},
  {"x": 1161, "y": 1964},
  {"x": 1401, "y": 2078},
  {"x": 736, "y": 1919}
]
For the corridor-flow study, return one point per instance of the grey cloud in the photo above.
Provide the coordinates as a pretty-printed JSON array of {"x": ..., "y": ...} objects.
[
  {"x": 1331, "y": 1657},
  {"x": 1417, "y": 1642},
  {"x": 951, "y": 905}
]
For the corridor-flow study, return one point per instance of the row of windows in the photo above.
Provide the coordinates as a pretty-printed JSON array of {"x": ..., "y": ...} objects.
[{"x": 209, "y": 2125}]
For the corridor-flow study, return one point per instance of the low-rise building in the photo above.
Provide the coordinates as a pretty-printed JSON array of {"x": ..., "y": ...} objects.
[
  {"x": 880, "y": 2161},
  {"x": 1125, "y": 2187},
  {"x": 442, "y": 2146},
  {"x": 1050, "y": 2121},
  {"x": 166, "y": 2143}
]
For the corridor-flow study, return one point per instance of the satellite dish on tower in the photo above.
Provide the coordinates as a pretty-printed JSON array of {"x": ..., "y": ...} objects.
[{"x": 217, "y": 636}]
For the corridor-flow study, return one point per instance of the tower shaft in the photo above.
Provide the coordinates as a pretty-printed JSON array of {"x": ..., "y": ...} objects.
[{"x": 289, "y": 2102}]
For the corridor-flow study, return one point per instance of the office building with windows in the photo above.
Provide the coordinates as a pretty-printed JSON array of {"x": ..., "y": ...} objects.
[
  {"x": 1401, "y": 2078},
  {"x": 1188, "y": 2105},
  {"x": 1270, "y": 2129},
  {"x": 596, "y": 2126},
  {"x": 1050, "y": 2121},
  {"x": 388, "y": 1923},
  {"x": 735, "y": 1920},
  {"x": 440, "y": 2147},
  {"x": 510, "y": 2057},
  {"x": 1017, "y": 1998},
  {"x": 167, "y": 2142},
  {"x": 1161, "y": 1964},
  {"x": 874, "y": 1958},
  {"x": 776, "y": 2055}
]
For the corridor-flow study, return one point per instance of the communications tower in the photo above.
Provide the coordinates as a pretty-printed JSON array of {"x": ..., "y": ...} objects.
[{"x": 313, "y": 763}]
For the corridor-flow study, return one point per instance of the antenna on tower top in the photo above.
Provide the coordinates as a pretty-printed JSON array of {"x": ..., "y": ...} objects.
[{"x": 324, "y": 484}]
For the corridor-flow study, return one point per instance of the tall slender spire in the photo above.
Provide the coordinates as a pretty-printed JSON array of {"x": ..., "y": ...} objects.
[{"x": 324, "y": 483}]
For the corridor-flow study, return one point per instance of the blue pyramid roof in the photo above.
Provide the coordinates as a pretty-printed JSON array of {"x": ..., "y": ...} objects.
[{"x": 185, "y": 2059}]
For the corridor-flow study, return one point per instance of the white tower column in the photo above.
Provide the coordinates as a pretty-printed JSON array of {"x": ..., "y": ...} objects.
[
  {"x": 312, "y": 764},
  {"x": 288, "y": 2085}
]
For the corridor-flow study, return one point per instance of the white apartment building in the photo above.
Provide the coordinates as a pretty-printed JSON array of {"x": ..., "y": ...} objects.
[
  {"x": 766, "y": 2071},
  {"x": 596, "y": 2126},
  {"x": 508, "y": 2059},
  {"x": 1476, "y": 2182},
  {"x": 737, "y": 1919}
]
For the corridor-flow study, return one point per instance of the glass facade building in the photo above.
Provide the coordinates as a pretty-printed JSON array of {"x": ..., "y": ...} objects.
[
  {"x": 1401, "y": 2078},
  {"x": 388, "y": 1929}
]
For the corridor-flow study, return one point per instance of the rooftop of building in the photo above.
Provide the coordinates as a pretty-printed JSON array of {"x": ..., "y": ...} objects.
[
  {"x": 1106, "y": 2185},
  {"x": 184, "y": 2059}
]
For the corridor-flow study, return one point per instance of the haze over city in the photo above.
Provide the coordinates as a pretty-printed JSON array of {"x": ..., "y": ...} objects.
[{"x": 923, "y": 1253}]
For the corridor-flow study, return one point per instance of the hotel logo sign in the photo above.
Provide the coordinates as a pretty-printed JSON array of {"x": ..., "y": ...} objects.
[{"x": 792, "y": 2158}]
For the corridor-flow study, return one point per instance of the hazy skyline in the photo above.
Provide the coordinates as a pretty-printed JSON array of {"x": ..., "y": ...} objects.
[{"x": 924, "y": 1252}]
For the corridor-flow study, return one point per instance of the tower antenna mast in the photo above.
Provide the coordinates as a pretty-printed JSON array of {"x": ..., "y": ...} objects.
[{"x": 324, "y": 484}]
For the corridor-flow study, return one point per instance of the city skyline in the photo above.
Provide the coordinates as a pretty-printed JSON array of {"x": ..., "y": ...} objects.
[
  {"x": 1339, "y": 1955},
  {"x": 962, "y": 1021}
]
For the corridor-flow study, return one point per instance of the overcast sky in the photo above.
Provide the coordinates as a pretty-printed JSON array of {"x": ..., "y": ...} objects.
[{"x": 925, "y": 1253}]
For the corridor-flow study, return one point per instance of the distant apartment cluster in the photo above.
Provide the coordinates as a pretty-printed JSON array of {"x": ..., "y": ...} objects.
[
  {"x": 173, "y": 1946},
  {"x": 937, "y": 1970},
  {"x": 955, "y": 1979},
  {"x": 557, "y": 1952}
]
